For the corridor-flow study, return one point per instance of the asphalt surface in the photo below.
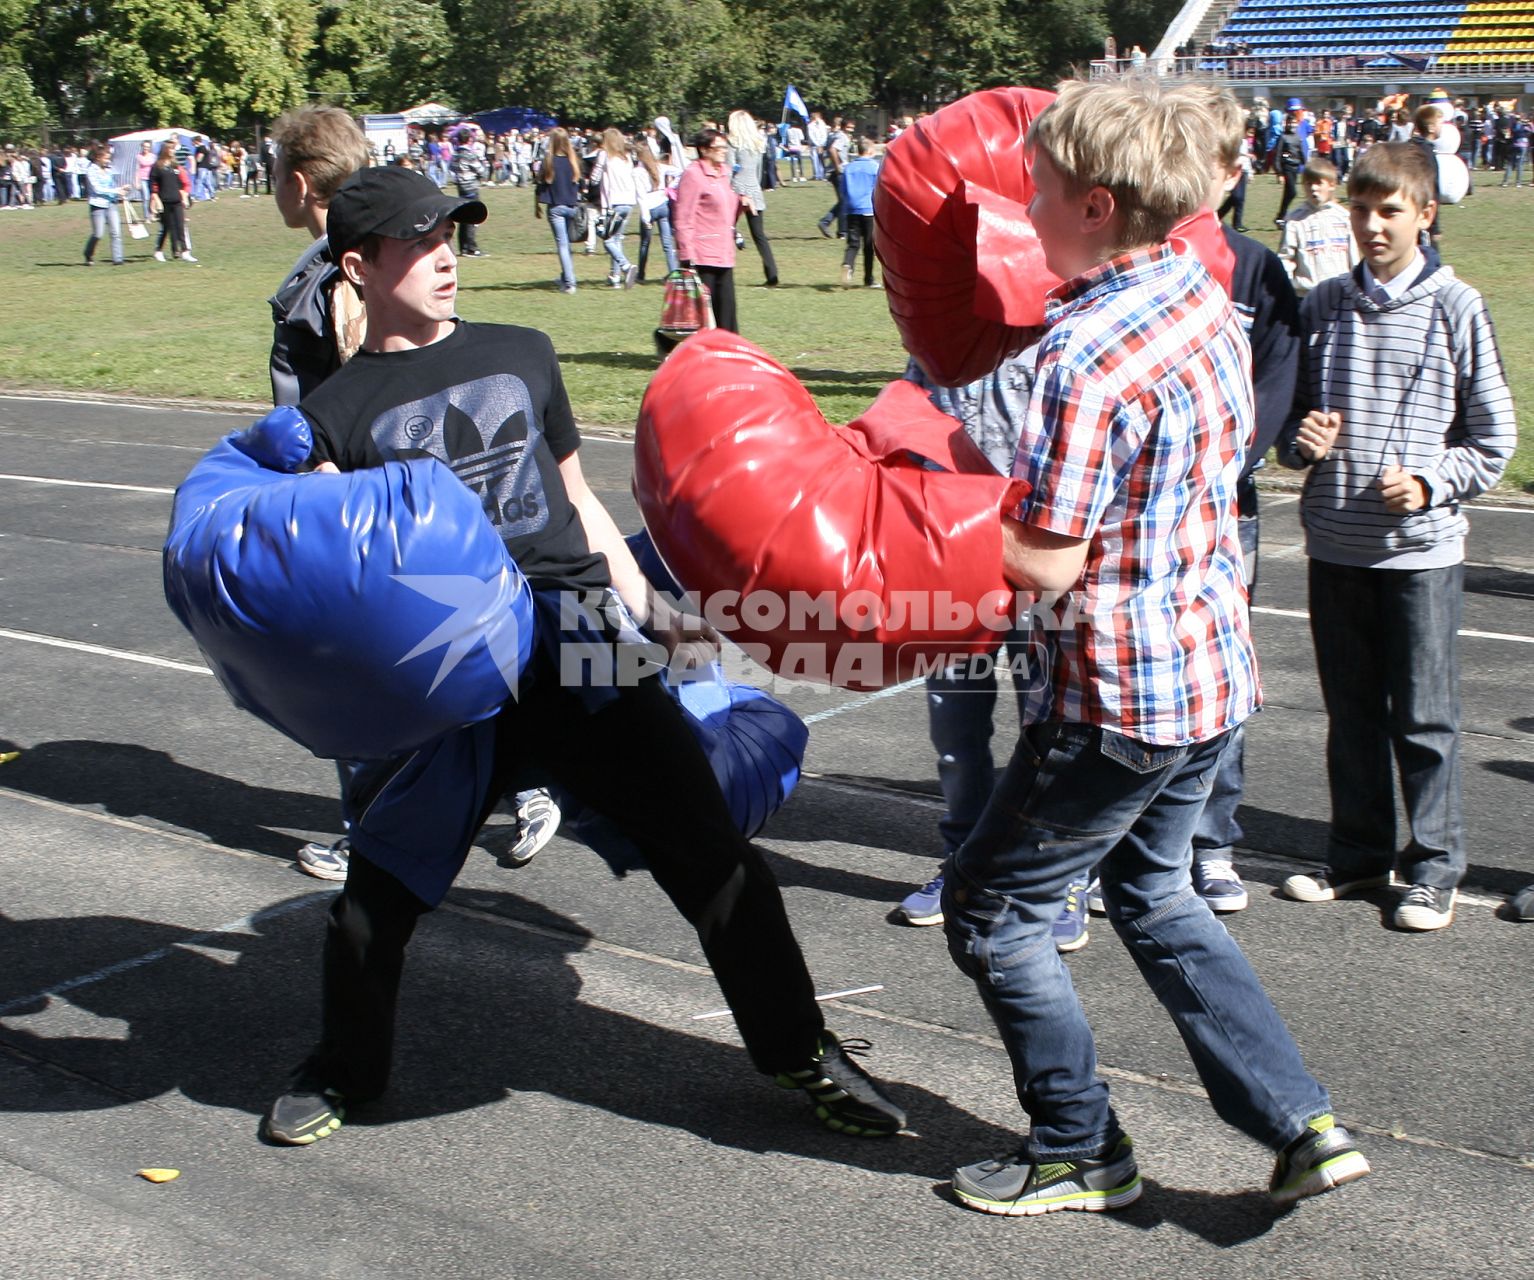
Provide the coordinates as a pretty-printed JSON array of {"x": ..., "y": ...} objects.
[{"x": 558, "y": 1108}]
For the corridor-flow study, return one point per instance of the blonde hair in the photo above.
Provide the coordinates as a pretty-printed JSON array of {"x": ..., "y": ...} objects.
[
  {"x": 1227, "y": 118},
  {"x": 325, "y": 144},
  {"x": 614, "y": 143},
  {"x": 1146, "y": 146},
  {"x": 743, "y": 133}
]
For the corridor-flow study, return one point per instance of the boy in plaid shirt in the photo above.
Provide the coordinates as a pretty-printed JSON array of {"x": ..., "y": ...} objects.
[{"x": 1138, "y": 423}]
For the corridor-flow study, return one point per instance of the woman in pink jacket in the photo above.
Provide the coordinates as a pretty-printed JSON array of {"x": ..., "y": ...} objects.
[{"x": 704, "y": 223}]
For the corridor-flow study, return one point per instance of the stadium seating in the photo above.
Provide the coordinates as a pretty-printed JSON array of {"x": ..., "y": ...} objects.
[{"x": 1440, "y": 35}]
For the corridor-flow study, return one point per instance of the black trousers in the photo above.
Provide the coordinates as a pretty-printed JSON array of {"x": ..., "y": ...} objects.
[
  {"x": 1235, "y": 203},
  {"x": 172, "y": 224},
  {"x": 860, "y": 235},
  {"x": 468, "y": 236},
  {"x": 758, "y": 232},
  {"x": 1290, "y": 177},
  {"x": 721, "y": 290},
  {"x": 635, "y": 761}
]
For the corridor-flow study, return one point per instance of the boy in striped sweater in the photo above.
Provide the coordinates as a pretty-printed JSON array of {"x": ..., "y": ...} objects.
[{"x": 1401, "y": 414}]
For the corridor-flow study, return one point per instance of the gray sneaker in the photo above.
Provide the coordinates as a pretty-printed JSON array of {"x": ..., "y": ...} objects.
[
  {"x": 1321, "y": 1158},
  {"x": 325, "y": 861},
  {"x": 1017, "y": 1187}
]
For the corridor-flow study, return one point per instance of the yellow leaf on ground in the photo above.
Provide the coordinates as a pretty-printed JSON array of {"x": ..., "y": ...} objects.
[{"x": 159, "y": 1175}]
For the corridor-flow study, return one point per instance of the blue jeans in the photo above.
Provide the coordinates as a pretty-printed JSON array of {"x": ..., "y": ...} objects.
[
  {"x": 105, "y": 223},
  {"x": 819, "y": 164},
  {"x": 560, "y": 217},
  {"x": 1387, "y": 654},
  {"x": 618, "y": 216},
  {"x": 1074, "y": 796},
  {"x": 1218, "y": 832},
  {"x": 660, "y": 221},
  {"x": 961, "y": 704}
]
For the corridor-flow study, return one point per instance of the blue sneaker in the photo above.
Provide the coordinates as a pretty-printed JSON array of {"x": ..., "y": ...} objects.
[
  {"x": 1216, "y": 882},
  {"x": 924, "y": 905},
  {"x": 1070, "y": 928}
]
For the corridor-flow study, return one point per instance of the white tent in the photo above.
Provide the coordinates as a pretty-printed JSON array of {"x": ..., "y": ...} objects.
[
  {"x": 125, "y": 148},
  {"x": 430, "y": 113}
]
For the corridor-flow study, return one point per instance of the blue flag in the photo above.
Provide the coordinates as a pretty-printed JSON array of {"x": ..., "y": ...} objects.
[{"x": 793, "y": 102}]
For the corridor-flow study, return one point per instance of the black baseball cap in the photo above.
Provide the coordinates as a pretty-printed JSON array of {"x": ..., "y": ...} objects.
[{"x": 389, "y": 201}]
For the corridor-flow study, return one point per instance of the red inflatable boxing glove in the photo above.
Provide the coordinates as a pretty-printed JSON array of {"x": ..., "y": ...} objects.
[
  {"x": 854, "y": 555},
  {"x": 963, "y": 268}
]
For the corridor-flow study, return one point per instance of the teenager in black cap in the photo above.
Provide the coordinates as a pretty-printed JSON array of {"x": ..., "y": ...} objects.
[{"x": 489, "y": 401}]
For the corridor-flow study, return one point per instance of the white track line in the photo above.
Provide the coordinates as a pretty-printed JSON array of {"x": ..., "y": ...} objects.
[
  {"x": 243, "y": 925},
  {"x": 1469, "y": 635},
  {"x": 87, "y": 484},
  {"x": 858, "y": 703},
  {"x": 101, "y": 650}
]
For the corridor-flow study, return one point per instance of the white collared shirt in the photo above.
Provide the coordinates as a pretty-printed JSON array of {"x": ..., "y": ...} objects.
[{"x": 1397, "y": 284}]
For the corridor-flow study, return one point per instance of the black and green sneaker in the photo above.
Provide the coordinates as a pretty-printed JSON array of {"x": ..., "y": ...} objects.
[
  {"x": 1017, "y": 1187},
  {"x": 1321, "y": 1158},
  {"x": 845, "y": 1096},
  {"x": 305, "y": 1114}
]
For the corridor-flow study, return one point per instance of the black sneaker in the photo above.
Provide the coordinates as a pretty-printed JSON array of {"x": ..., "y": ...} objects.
[
  {"x": 1017, "y": 1187},
  {"x": 846, "y": 1097},
  {"x": 1425, "y": 907},
  {"x": 306, "y": 1113},
  {"x": 1321, "y": 1158}
]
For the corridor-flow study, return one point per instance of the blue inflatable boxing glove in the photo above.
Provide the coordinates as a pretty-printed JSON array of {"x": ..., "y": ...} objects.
[{"x": 363, "y": 614}]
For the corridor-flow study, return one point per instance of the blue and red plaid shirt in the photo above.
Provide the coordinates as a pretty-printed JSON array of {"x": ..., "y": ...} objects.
[{"x": 1137, "y": 427}]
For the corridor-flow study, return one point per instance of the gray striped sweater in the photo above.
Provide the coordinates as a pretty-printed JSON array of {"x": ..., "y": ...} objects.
[{"x": 1419, "y": 382}]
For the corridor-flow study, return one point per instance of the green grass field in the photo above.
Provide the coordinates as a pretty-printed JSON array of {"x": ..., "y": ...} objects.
[{"x": 177, "y": 330}]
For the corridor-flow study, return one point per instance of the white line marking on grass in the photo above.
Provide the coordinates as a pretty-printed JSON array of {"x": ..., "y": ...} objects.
[
  {"x": 101, "y": 650},
  {"x": 87, "y": 484}
]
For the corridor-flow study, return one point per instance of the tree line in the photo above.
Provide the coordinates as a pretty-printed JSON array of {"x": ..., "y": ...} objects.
[{"x": 221, "y": 65}]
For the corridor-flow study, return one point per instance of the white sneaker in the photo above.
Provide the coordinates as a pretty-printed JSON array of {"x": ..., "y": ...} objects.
[
  {"x": 537, "y": 821},
  {"x": 158, "y": 256},
  {"x": 325, "y": 861},
  {"x": 1323, "y": 885},
  {"x": 187, "y": 256}
]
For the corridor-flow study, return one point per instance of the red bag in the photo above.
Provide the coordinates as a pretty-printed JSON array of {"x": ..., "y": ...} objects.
[{"x": 686, "y": 307}]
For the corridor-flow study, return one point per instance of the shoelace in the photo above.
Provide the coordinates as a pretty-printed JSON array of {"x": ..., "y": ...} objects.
[
  {"x": 1217, "y": 869},
  {"x": 934, "y": 884},
  {"x": 1421, "y": 895},
  {"x": 857, "y": 1047}
]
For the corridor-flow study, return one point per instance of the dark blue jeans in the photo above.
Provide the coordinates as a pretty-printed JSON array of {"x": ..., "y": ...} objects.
[
  {"x": 1387, "y": 654},
  {"x": 1074, "y": 796},
  {"x": 961, "y": 707}
]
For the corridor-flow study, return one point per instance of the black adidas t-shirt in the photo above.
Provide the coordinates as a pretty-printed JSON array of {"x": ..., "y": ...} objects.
[{"x": 489, "y": 401}]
